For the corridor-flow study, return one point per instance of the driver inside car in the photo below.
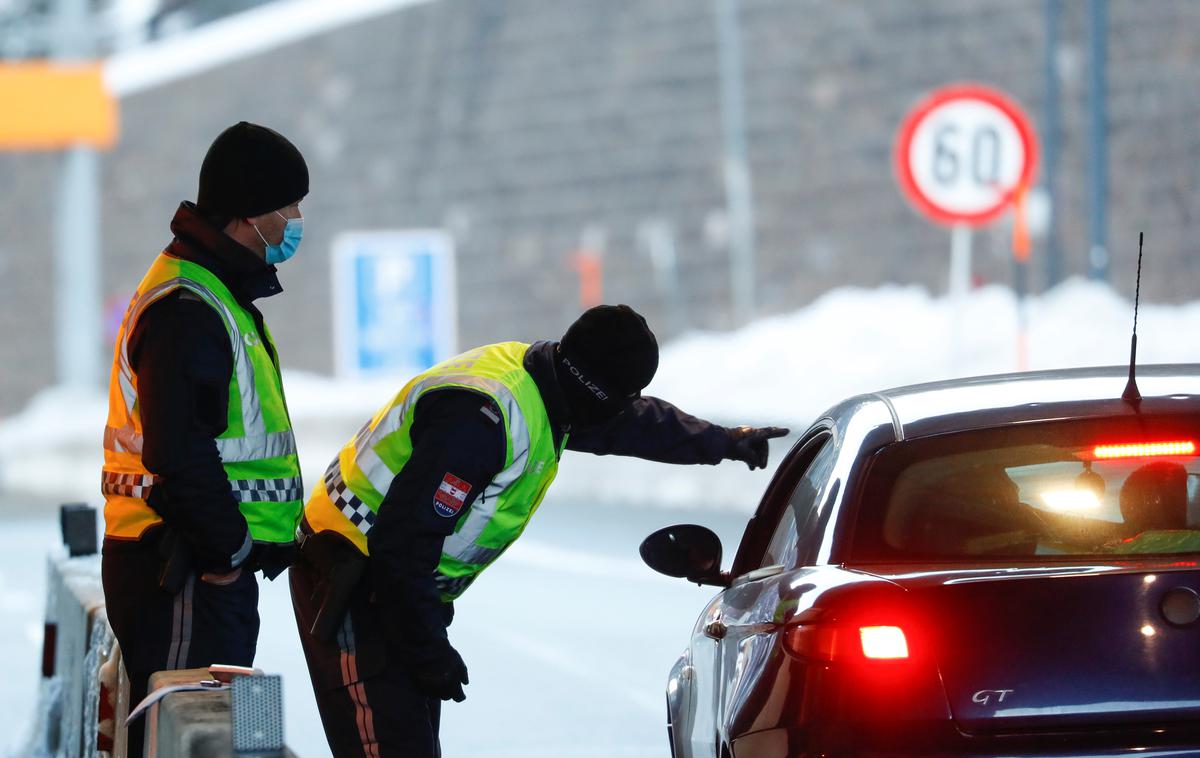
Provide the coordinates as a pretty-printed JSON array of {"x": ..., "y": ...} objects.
[{"x": 1154, "y": 506}]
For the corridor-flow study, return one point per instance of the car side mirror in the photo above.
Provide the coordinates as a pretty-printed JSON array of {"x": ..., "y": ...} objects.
[{"x": 685, "y": 551}]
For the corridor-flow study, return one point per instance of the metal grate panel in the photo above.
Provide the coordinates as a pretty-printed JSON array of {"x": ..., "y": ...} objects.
[{"x": 257, "y": 714}]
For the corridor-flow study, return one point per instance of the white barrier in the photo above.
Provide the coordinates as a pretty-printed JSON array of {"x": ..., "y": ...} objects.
[
  {"x": 83, "y": 695},
  {"x": 80, "y": 691}
]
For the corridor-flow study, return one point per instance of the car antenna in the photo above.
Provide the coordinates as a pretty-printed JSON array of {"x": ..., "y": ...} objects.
[{"x": 1131, "y": 394}]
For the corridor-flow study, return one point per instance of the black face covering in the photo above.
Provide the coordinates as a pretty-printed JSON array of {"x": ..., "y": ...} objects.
[
  {"x": 603, "y": 361},
  {"x": 591, "y": 399}
]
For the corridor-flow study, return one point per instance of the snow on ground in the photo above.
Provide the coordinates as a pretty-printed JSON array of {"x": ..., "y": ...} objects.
[
  {"x": 25, "y": 543},
  {"x": 782, "y": 370},
  {"x": 789, "y": 368}
]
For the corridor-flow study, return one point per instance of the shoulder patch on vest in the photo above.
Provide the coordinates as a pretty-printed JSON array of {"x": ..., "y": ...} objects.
[{"x": 451, "y": 495}]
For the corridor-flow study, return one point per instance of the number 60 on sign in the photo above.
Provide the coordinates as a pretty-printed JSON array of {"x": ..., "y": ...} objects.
[{"x": 963, "y": 152}]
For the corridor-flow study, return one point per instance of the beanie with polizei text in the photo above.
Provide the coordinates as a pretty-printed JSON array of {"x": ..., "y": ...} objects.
[{"x": 605, "y": 359}]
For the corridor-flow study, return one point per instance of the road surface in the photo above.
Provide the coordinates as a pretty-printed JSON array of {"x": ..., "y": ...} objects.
[{"x": 568, "y": 637}]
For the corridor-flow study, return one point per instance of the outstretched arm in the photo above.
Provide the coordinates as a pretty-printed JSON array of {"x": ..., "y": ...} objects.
[{"x": 654, "y": 429}]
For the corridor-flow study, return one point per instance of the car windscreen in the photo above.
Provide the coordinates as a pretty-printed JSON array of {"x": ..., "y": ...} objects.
[{"x": 1109, "y": 488}]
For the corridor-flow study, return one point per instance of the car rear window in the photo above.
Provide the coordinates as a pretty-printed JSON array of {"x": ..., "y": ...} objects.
[{"x": 1103, "y": 489}]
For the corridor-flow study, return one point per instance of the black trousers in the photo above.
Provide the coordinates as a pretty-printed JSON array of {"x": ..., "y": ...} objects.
[
  {"x": 368, "y": 704},
  {"x": 200, "y": 625}
]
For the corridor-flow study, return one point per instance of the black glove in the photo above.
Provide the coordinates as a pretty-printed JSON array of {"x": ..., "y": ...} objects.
[
  {"x": 442, "y": 676},
  {"x": 749, "y": 444}
]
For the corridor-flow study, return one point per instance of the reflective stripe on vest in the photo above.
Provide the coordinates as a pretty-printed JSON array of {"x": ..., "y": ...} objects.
[
  {"x": 232, "y": 450},
  {"x": 244, "y": 490},
  {"x": 127, "y": 485},
  {"x": 349, "y": 497},
  {"x": 257, "y": 449}
]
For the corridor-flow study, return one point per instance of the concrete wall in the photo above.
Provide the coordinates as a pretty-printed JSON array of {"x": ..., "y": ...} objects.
[{"x": 525, "y": 125}]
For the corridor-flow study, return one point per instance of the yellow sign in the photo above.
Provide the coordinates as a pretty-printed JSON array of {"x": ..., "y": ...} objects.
[{"x": 50, "y": 106}]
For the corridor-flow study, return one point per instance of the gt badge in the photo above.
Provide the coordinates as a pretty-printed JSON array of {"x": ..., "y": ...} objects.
[
  {"x": 985, "y": 697},
  {"x": 450, "y": 496}
]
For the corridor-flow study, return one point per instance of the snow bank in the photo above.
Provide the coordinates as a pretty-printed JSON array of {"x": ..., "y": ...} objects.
[
  {"x": 782, "y": 370},
  {"x": 790, "y": 368}
]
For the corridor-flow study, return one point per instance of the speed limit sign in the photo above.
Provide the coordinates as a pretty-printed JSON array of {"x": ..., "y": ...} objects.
[{"x": 962, "y": 154}]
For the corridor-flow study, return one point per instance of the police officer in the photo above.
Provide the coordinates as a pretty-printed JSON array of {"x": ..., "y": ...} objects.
[
  {"x": 201, "y": 481},
  {"x": 434, "y": 488}
]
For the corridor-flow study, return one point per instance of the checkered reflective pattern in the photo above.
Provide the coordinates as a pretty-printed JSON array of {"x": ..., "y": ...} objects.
[
  {"x": 351, "y": 507},
  {"x": 127, "y": 485},
  {"x": 267, "y": 490}
]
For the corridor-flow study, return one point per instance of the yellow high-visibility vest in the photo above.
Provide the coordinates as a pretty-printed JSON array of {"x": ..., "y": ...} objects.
[
  {"x": 257, "y": 448},
  {"x": 348, "y": 499}
]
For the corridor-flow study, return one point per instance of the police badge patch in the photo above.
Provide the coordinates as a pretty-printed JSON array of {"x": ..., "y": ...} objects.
[{"x": 450, "y": 496}]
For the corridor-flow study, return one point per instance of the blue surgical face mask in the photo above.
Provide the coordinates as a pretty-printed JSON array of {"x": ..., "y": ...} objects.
[{"x": 293, "y": 230}]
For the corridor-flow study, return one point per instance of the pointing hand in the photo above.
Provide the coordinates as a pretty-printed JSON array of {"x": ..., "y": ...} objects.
[{"x": 749, "y": 444}]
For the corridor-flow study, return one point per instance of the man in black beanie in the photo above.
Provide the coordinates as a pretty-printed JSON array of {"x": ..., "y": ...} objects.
[
  {"x": 437, "y": 485},
  {"x": 201, "y": 482}
]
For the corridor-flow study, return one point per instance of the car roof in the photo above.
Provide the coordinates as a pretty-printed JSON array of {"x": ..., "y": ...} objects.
[{"x": 987, "y": 401}]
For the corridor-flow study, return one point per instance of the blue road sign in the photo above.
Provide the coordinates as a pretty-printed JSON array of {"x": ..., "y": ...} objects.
[{"x": 394, "y": 307}]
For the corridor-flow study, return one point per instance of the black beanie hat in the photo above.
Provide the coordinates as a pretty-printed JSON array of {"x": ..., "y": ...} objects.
[
  {"x": 250, "y": 170},
  {"x": 609, "y": 353}
]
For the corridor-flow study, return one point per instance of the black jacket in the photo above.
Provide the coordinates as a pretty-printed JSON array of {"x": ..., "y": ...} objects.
[
  {"x": 179, "y": 349},
  {"x": 457, "y": 434}
]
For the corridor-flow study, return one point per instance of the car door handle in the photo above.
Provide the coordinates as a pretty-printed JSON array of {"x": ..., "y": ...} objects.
[{"x": 715, "y": 629}]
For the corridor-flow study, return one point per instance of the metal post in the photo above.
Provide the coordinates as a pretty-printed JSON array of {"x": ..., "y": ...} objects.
[
  {"x": 738, "y": 191},
  {"x": 657, "y": 236},
  {"x": 77, "y": 270},
  {"x": 960, "y": 261},
  {"x": 1098, "y": 257},
  {"x": 77, "y": 234},
  {"x": 960, "y": 284},
  {"x": 1021, "y": 280},
  {"x": 1051, "y": 140}
]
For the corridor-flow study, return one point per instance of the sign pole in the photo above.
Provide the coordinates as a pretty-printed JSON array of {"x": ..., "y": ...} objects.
[
  {"x": 960, "y": 285},
  {"x": 78, "y": 321},
  {"x": 739, "y": 194},
  {"x": 1021, "y": 276},
  {"x": 960, "y": 261},
  {"x": 1021, "y": 252},
  {"x": 77, "y": 237}
]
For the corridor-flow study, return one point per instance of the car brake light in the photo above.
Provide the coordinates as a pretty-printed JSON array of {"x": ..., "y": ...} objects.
[
  {"x": 841, "y": 643},
  {"x": 883, "y": 642},
  {"x": 1144, "y": 449}
]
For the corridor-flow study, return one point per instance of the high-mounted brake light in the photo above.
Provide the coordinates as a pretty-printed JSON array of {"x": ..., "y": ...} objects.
[
  {"x": 883, "y": 642},
  {"x": 1144, "y": 449}
]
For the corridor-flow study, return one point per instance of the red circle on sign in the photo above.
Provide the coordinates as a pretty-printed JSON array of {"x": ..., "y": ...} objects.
[{"x": 935, "y": 100}]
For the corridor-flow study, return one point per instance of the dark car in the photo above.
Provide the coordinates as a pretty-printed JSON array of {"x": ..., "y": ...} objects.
[{"x": 1002, "y": 565}]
